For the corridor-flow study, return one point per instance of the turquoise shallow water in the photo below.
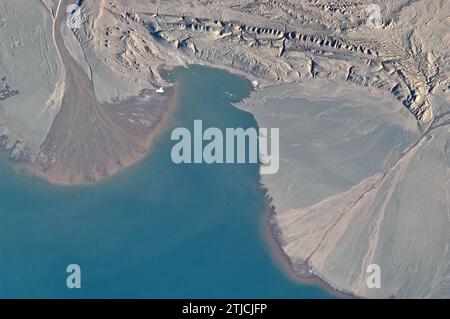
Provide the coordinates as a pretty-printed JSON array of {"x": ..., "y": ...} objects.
[{"x": 155, "y": 230}]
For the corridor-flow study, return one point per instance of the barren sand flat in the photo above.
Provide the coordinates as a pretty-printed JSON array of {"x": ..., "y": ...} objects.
[
  {"x": 329, "y": 140},
  {"x": 397, "y": 218},
  {"x": 29, "y": 66},
  {"x": 355, "y": 188},
  {"x": 119, "y": 47},
  {"x": 360, "y": 93},
  {"x": 350, "y": 192}
]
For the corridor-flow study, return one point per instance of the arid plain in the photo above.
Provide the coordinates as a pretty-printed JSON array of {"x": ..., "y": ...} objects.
[{"x": 361, "y": 95}]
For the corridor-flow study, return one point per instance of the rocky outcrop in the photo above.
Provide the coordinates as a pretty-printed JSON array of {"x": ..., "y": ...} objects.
[
  {"x": 249, "y": 42},
  {"x": 5, "y": 90}
]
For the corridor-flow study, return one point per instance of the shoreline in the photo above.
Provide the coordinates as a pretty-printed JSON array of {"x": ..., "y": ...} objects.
[
  {"x": 270, "y": 233},
  {"x": 70, "y": 155},
  {"x": 269, "y": 229},
  {"x": 160, "y": 127}
]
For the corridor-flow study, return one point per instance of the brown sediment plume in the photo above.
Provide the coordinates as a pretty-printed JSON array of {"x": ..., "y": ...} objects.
[
  {"x": 94, "y": 154},
  {"x": 89, "y": 140}
]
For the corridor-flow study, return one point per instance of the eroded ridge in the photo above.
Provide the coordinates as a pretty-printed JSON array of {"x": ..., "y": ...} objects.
[
  {"x": 282, "y": 42},
  {"x": 120, "y": 46}
]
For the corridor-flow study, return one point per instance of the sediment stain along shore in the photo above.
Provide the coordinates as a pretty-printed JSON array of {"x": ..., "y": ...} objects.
[
  {"x": 157, "y": 229},
  {"x": 372, "y": 191},
  {"x": 349, "y": 195}
]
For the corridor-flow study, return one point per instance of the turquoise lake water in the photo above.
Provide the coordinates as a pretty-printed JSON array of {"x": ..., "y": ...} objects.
[{"x": 157, "y": 229}]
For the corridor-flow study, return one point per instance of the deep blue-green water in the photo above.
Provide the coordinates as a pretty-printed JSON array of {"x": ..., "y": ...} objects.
[{"x": 156, "y": 229}]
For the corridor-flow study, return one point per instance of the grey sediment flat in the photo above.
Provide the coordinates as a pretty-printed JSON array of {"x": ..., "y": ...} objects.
[
  {"x": 30, "y": 67},
  {"x": 359, "y": 183},
  {"x": 363, "y": 113}
]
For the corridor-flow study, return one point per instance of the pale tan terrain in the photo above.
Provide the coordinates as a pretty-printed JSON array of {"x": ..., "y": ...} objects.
[
  {"x": 360, "y": 184},
  {"x": 282, "y": 41},
  {"x": 362, "y": 103},
  {"x": 30, "y": 76}
]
